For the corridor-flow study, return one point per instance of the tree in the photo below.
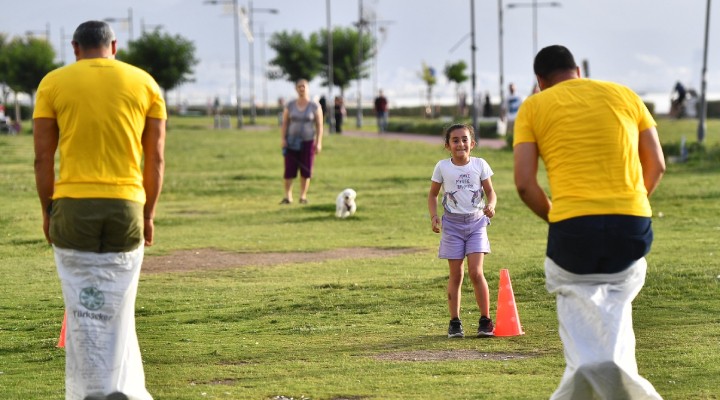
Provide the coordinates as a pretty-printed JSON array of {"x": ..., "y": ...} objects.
[
  {"x": 168, "y": 59},
  {"x": 296, "y": 58},
  {"x": 26, "y": 62},
  {"x": 456, "y": 73},
  {"x": 3, "y": 69},
  {"x": 427, "y": 74},
  {"x": 345, "y": 56}
]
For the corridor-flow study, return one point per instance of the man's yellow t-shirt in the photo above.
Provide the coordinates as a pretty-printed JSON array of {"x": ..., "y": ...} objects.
[
  {"x": 587, "y": 135},
  {"x": 100, "y": 106}
]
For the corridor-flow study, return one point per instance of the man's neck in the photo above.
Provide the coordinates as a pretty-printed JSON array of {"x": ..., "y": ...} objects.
[{"x": 563, "y": 76}]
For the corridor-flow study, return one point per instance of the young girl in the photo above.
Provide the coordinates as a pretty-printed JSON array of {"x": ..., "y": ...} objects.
[{"x": 469, "y": 203}]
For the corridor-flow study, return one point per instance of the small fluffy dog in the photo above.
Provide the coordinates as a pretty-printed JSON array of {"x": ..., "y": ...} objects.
[{"x": 345, "y": 203}]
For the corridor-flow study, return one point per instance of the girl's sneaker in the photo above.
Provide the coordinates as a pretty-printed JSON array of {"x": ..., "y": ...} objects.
[
  {"x": 455, "y": 330},
  {"x": 485, "y": 327}
]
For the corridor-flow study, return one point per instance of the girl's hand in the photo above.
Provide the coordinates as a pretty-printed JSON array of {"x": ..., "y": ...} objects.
[
  {"x": 435, "y": 223},
  {"x": 489, "y": 211}
]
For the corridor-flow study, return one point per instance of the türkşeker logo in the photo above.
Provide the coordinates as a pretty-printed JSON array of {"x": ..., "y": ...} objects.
[{"x": 92, "y": 298}]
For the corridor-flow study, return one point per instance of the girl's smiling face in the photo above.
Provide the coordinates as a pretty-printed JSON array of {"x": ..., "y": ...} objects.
[{"x": 460, "y": 142}]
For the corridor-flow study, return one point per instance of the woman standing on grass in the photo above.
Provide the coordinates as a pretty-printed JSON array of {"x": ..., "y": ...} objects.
[
  {"x": 469, "y": 202},
  {"x": 302, "y": 131}
]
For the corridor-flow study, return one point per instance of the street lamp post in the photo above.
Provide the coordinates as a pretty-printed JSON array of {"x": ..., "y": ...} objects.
[
  {"x": 63, "y": 44},
  {"x": 703, "y": 84},
  {"x": 236, "y": 23},
  {"x": 129, "y": 21},
  {"x": 330, "y": 72},
  {"x": 535, "y": 6},
  {"x": 361, "y": 24},
  {"x": 501, "y": 48},
  {"x": 264, "y": 70},
  {"x": 473, "y": 48},
  {"x": 251, "y": 11},
  {"x": 45, "y": 32}
]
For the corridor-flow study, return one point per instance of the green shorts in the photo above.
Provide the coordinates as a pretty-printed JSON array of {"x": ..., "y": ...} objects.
[{"x": 97, "y": 225}]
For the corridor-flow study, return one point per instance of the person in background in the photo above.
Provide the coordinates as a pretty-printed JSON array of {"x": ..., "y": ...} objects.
[
  {"x": 323, "y": 105},
  {"x": 99, "y": 214},
  {"x": 301, "y": 136},
  {"x": 381, "y": 112},
  {"x": 511, "y": 107},
  {"x": 340, "y": 113},
  {"x": 603, "y": 159},
  {"x": 677, "y": 100},
  {"x": 487, "y": 106}
]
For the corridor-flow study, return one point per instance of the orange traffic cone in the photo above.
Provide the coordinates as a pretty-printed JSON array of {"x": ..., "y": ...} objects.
[
  {"x": 61, "y": 341},
  {"x": 507, "y": 320}
]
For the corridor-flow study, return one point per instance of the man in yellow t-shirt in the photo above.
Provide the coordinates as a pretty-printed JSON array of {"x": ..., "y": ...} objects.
[
  {"x": 107, "y": 119},
  {"x": 603, "y": 159}
]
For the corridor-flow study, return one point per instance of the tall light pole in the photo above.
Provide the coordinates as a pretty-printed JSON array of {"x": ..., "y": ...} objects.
[
  {"x": 473, "y": 48},
  {"x": 264, "y": 71},
  {"x": 360, "y": 25},
  {"x": 128, "y": 20},
  {"x": 251, "y": 11},
  {"x": 380, "y": 25},
  {"x": 236, "y": 22},
  {"x": 63, "y": 44},
  {"x": 703, "y": 85},
  {"x": 330, "y": 73},
  {"x": 501, "y": 49},
  {"x": 535, "y": 6},
  {"x": 45, "y": 32}
]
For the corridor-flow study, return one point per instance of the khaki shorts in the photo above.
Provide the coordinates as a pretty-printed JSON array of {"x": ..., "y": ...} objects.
[{"x": 96, "y": 225}]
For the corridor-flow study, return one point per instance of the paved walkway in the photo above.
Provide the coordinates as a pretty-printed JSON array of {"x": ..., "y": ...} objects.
[{"x": 416, "y": 137}]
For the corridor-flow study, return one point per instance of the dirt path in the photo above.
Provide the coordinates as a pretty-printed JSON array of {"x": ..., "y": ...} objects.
[{"x": 206, "y": 259}]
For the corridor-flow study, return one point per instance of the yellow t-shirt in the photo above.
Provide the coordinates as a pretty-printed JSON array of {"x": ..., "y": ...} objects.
[
  {"x": 100, "y": 106},
  {"x": 587, "y": 135}
]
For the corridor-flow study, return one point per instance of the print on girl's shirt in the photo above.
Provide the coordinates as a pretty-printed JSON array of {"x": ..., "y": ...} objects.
[{"x": 463, "y": 182}]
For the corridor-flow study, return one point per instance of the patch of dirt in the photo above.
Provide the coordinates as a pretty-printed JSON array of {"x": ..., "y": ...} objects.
[
  {"x": 447, "y": 355},
  {"x": 204, "y": 259}
]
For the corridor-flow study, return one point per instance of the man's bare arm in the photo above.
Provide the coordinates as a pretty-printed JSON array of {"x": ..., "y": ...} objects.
[
  {"x": 153, "y": 141},
  {"x": 46, "y": 135},
  {"x": 651, "y": 159},
  {"x": 526, "y": 169}
]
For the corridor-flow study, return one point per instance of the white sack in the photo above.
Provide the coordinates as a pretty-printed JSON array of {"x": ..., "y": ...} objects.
[
  {"x": 597, "y": 333},
  {"x": 101, "y": 346}
]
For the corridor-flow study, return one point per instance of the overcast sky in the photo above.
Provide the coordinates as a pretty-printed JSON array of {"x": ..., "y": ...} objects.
[{"x": 645, "y": 44}]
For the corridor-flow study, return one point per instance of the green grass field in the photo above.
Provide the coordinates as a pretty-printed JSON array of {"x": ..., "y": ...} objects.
[{"x": 333, "y": 329}]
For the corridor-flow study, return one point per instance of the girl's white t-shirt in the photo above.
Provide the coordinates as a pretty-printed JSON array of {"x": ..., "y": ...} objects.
[{"x": 462, "y": 187}]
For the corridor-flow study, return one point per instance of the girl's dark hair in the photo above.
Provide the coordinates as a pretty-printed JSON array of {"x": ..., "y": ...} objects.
[{"x": 453, "y": 127}]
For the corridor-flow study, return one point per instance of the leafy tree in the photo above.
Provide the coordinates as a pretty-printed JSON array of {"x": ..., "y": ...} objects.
[
  {"x": 345, "y": 56},
  {"x": 296, "y": 58},
  {"x": 3, "y": 69},
  {"x": 427, "y": 74},
  {"x": 25, "y": 63},
  {"x": 168, "y": 59},
  {"x": 456, "y": 73}
]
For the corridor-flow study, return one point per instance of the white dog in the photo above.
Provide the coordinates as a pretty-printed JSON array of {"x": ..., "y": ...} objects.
[{"x": 345, "y": 204}]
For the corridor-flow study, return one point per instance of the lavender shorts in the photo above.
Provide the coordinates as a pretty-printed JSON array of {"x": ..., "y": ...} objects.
[{"x": 463, "y": 234}]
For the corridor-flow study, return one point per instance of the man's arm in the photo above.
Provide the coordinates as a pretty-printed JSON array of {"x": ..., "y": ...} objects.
[
  {"x": 46, "y": 135},
  {"x": 526, "y": 168},
  {"x": 651, "y": 159},
  {"x": 153, "y": 141}
]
